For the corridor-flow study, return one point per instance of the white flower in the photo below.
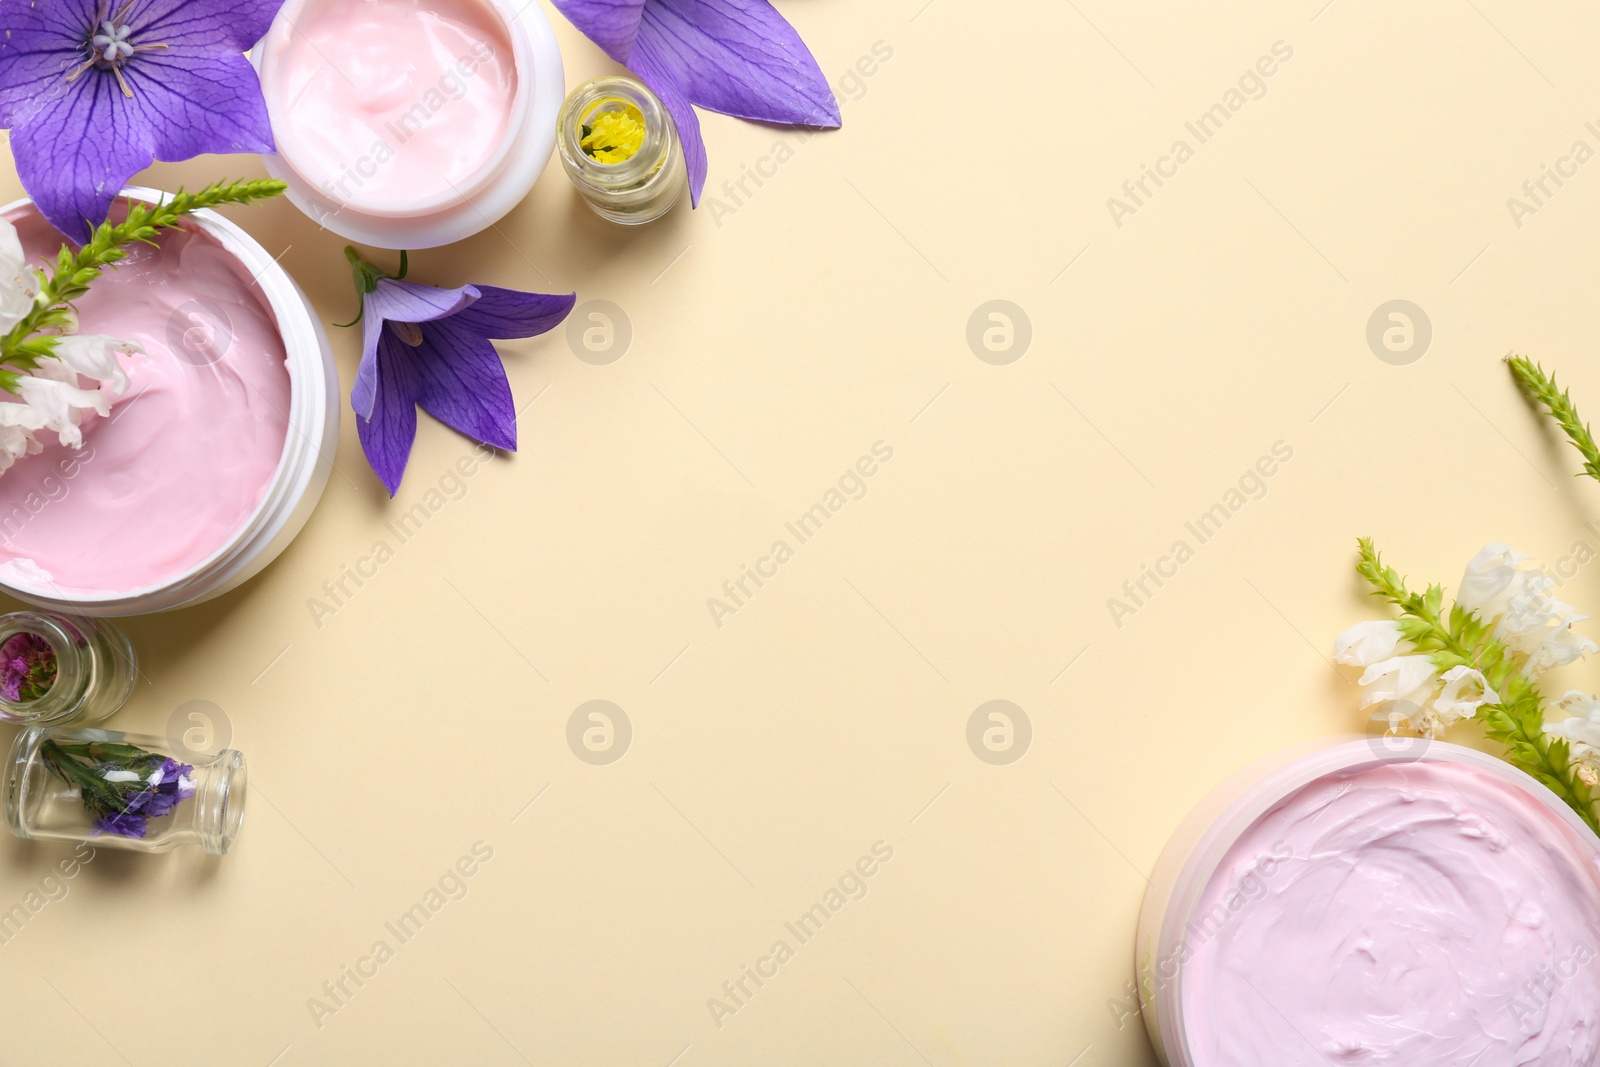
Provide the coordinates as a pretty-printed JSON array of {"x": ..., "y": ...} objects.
[
  {"x": 1366, "y": 643},
  {"x": 18, "y": 284},
  {"x": 62, "y": 405},
  {"x": 1407, "y": 679},
  {"x": 95, "y": 356},
  {"x": 1486, "y": 585},
  {"x": 1582, "y": 732},
  {"x": 1559, "y": 648},
  {"x": 1517, "y": 601},
  {"x": 17, "y": 423},
  {"x": 1465, "y": 691}
]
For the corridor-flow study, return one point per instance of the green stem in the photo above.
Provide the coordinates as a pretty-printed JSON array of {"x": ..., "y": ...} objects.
[
  {"x": 1542, "y": 387},
  {"x": 34, "y": 337}
]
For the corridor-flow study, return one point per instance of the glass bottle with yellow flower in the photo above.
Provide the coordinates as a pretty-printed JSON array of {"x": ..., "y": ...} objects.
[{"x": 620, "y": 149}]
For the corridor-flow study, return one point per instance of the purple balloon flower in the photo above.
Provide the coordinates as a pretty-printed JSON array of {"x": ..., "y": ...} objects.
[
  {"x": 122, "y": 824},
  {"x": 429, "y": 347},
  {"x": 737, "y": 57},
  {"x": 174, "y": 785},
  {"x": 94, "y": 90}
]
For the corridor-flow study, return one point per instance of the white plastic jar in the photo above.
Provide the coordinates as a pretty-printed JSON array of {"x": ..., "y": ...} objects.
[
  {"x": 393, "y": 131},
  {"x": 1268, "y": 936},
  {"x": 302, "y": 469}
]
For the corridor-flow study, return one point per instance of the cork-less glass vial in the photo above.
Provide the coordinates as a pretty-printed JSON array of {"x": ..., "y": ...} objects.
[
  {"x": 620, "y": 148},
  {"x": 125, "y": 791},
  {"x": 58, "y": 669}
]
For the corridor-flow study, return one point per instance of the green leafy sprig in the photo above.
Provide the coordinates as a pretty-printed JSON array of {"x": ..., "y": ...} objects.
[
  {"x": 1461, "y": 638},
  {"x": 84, "y": 765},
  {"x": 34, "y": 337},
  {"x": 1542, "y": 388}
]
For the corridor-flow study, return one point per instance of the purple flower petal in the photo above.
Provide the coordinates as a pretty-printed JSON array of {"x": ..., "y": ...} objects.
[
  {"x": 739, "y": 57},
  {"x": 221, "y": 25},
  {"x": 611, "y": 24},
  {"x": 207, "y": 102},
  {"x": 387, "y": 436},
  {"x": 37, "y": 52},
  {"x": 662, "y": 82},
  {"x": 506, "y": 313},
  {"x": 122, "y": 824},
  {"x": 397, "y": 301},
  {"x": 462, "y": 383},
  {"x": 73, "y": 178}
]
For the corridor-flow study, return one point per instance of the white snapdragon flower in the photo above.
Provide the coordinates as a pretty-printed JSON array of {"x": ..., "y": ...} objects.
[
  {"x": 1405, "y": 679},
  {"x": 1367, "y": 643},
  {"x": 17, "y": 423},
  {"x": 1581, "y": 731},
  {"x": 1465, "y": 690},
  {"x": 1487, "y": 585},
  {"x": 19, "y": 287},
  {"x": 1527, "y": 619},
  {"x": 62, "y": 405},
  {"x": 95, "y": 356}
]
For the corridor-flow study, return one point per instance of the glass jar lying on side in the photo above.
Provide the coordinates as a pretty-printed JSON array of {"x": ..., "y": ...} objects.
[
  {"x": 60, "y": 669},
  {"x": 121, "y": 791},
  {"x": 620, "y": 148}
]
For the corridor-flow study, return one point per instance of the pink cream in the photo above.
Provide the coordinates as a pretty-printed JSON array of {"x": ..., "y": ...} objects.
[
  {"x": 392, "y": 105},
  {"x": 187, "y": 452},
  {"x": 1416, "y": 914}
]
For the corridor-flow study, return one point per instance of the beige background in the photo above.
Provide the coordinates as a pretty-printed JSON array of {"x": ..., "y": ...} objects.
[{"x": 771, "y": 347}]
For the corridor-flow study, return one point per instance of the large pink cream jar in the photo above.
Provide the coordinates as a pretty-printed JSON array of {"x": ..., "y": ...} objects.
[
  {"x": 1349, "y": 905},
  {"x": 210, "y": 462},
  {"x": 410, "y": 123}
]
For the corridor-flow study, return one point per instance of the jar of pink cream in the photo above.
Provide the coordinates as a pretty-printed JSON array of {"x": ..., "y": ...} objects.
[
  {"x": 213, "y": 458},
  {"x": 410, "y": 123},
  {"x": 1348, "y": 904}
]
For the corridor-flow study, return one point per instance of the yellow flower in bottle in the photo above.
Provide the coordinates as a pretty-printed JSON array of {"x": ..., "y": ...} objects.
[{"x": 613, "y": 131}]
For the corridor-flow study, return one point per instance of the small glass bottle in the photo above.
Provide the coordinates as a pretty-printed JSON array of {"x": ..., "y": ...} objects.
[
  {"x": 120, "y": 790},
  {"x": 636, "y": 180},
  {"x": 59, "y": 669}
]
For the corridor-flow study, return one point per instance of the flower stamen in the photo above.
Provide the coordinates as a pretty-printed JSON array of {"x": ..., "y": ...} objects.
[{"x": 111, "y": 47}]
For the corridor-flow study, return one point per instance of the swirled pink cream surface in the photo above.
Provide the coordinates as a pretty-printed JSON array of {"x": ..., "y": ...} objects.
[
  {"x": 1407, "y": 915},
  {"x": 187, "y": 452},
  {"x": 390, "y": 104}
]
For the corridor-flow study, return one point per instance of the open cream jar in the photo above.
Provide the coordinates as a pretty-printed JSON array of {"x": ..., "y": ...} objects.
[
  {"x": 1347, "y": 904},
  {"x": 211, "y": 461},
  {"x": 410, "y": 123}
]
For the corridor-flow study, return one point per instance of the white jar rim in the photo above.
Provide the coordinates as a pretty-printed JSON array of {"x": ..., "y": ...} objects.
[
  {"x": 1202, "y": 841},
  {"x": 499, "y": 186},
  {"x": 303, "y": 466}
]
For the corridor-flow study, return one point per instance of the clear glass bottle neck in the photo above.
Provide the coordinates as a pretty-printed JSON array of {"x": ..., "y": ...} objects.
[{"x": 660, "y": 137}]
